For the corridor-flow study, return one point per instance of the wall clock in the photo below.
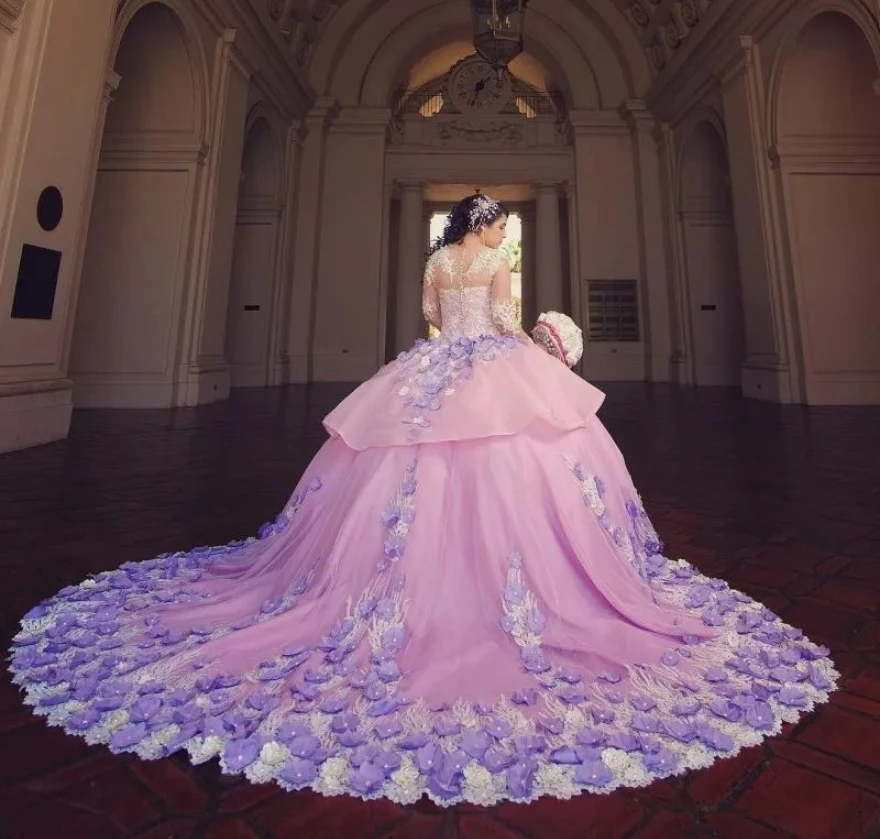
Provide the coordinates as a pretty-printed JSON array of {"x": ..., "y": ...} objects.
[{"x": 474, "y": 87}]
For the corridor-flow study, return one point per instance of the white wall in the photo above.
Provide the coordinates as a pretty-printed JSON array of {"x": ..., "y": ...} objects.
[
  {"x": 51, "y": 45},
  {"x": 828, "y": 128},
  {"x": 124, "y": 338}
]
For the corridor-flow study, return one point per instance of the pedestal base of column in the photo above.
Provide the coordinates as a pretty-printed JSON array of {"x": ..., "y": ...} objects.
[
  {"x": 769, "y": 381},
  {"x": 208, "y": 380},
  {"x": 680, "y": 371},
  {"x": 34, "y": 413},
  {"x": 280, "y": 372},
  {"x": 659, "y": 368},
  {"x": 298, "y": 369}
]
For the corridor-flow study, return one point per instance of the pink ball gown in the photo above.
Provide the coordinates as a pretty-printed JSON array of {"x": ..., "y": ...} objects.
[{"x": 464, "y": 598}]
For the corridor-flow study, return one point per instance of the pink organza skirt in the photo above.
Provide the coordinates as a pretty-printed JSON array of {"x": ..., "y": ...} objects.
[{"x": 464, "y": 598}]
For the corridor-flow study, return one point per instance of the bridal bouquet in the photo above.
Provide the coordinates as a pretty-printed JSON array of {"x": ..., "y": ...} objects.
[{"x": 560, "y": 336}]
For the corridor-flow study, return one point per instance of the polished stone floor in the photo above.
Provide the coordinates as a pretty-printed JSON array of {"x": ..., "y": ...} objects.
[{"x": 783, "y": 502}]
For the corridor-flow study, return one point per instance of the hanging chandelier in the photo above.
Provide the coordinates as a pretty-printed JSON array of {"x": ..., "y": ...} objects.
[{"x": 498, "y": 30}]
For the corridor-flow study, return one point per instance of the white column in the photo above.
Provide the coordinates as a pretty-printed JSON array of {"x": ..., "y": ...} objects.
[
  {"x": 350, "y": 291},
  {"x": 574, "y": 278},
  {"x": 303, "y": 271},
  {"x": 529, "y": 279},
  {"x": 681, "y": 359},
  {"x": 772, "y": 369},
  {"x": 204, "y": 372},
  {"x": 549, "y": 249},
  {"x": 280, "y": 330},
  {"x": 411, "y": 251},
  {"x": 655, "y": 284},
  {"x": 426, "y": 242}
]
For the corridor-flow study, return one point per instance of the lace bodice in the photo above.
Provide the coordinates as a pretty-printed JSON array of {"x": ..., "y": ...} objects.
[
  {"x": 467, "y": 313},
  {"x": 466, "y": 295}
]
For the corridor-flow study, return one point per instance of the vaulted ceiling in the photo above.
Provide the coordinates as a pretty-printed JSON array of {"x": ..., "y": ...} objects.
[{"x": 659, "y": 26}]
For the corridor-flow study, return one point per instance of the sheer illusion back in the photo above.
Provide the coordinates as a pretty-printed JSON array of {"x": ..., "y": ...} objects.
[{"x": 467, "y": 294}]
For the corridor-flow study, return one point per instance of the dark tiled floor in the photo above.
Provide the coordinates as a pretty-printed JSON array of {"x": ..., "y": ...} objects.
[{"x": 783, "y": 502}]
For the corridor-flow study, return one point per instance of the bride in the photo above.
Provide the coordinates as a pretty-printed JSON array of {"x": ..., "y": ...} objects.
[{"x": 464, "y": 597}]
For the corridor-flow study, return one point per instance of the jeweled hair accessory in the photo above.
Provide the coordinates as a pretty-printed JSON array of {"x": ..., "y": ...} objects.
[
  {"x": 560, "y": 336},
  {"x": 484, "y": 211}
]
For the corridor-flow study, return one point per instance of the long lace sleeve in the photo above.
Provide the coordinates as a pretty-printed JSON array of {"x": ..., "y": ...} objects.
[
  {"x": 430, "y": 296},
  {"x": 504, "y": 309}
]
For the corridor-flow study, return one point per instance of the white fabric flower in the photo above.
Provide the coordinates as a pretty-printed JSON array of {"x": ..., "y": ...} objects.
[{"x": 274, "y": 754}]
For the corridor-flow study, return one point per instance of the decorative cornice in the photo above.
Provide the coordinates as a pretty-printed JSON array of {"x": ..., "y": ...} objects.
[
  {"x": 366, "y": 121},
  {"x": 637, "y": 116},
  {"x": 662, "y": 132},
  {"x": 233, "y": 55},
  {"x": 584, "y": 122},
  {"x": 134, "y": 148},
  {"x": 322, "y": 112},
  {"x": 111, "y": 84},
  {"x": 10, "y": 10},
  {"x": 820, "y": 153},
  {"x": 741, "y": 61},
  {"x": 297, "y": 130}
]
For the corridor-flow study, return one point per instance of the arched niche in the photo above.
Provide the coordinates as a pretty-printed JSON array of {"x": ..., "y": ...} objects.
[
  {"x": 124, "y": 351},
  {"x": 828, "y": 87},
  {"x": 159, "y": 60},
  {"x": 826, "y": 126},
  {"x": 712, "y": 290},
  {"x": 261, "y": 163},
  {"x": 252, "y": 315}
]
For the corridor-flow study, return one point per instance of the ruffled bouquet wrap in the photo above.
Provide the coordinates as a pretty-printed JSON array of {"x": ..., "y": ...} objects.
[{"x": 560, "y": 336}]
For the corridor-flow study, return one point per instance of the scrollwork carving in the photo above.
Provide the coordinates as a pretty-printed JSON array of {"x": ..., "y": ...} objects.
[
  {"x": 276, "y": 9},
  {"x": 10, "y": 10},
  {"x": 639, "y": 14},
  {"x": 496, "y": 132},
  {"x": 320, "y": 10},
  {"x": 658, "y": 56},
  {"x": 302, "y": 51},
  {"x": 690, "y": 14}
]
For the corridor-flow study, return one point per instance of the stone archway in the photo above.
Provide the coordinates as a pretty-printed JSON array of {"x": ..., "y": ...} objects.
[
  {"x": 252, "y": 290},
  {"x": 827, "y": 127},
  {"x": 124, "y": 347},
  {"x": 713, "y": 300},
  {"x": 593, "y": 173}
]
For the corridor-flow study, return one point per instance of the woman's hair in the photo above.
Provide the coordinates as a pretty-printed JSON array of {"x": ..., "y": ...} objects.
[{"x": 468, "y": 216}]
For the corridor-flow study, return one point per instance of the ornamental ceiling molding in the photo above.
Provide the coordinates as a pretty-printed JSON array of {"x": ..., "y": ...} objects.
[
  {"x": 664, "y": 25},
  {"x": 660, "y": 25},
  {"x": 301, "y": 23},
  {"x": 10, "y": 10}
]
